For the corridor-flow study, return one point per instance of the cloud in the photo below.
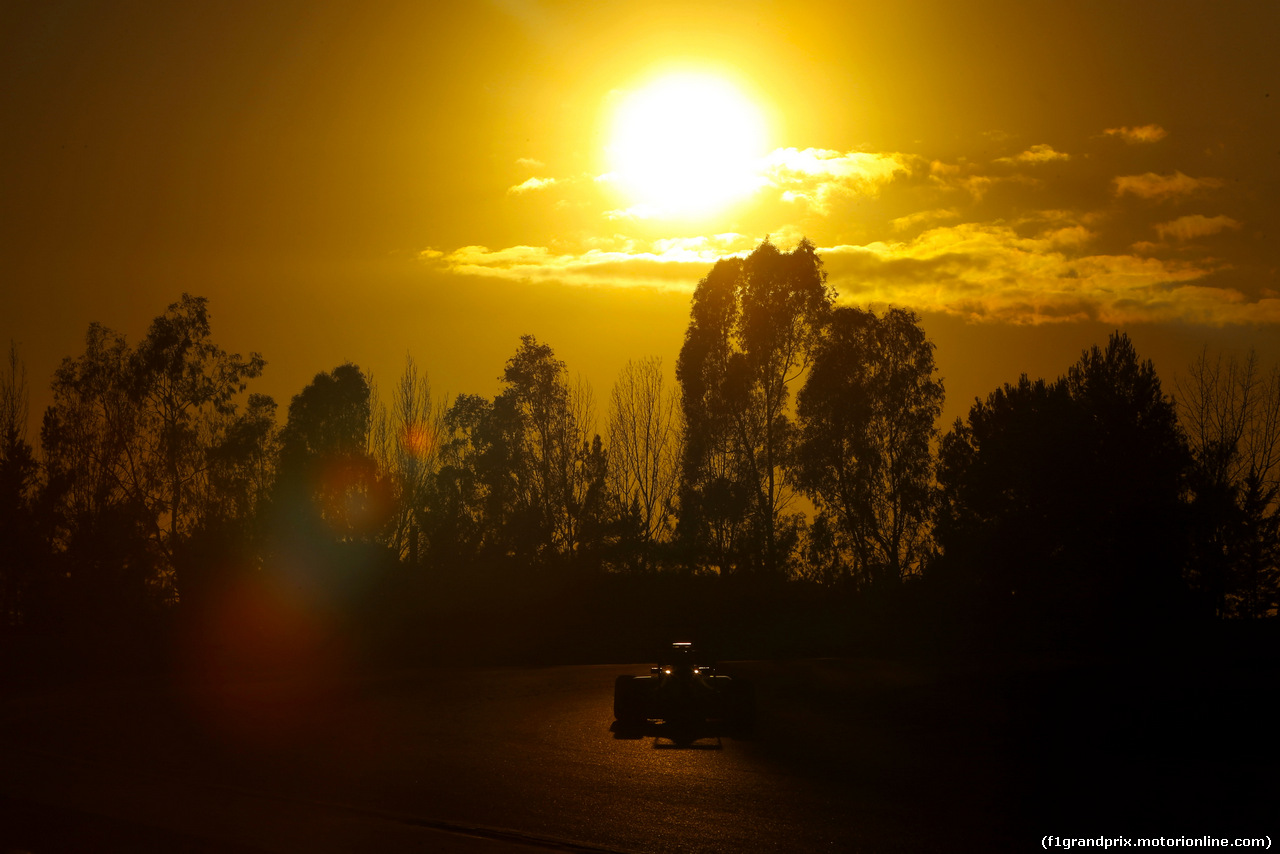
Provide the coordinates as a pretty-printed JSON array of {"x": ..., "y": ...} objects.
[
  {"x": 1073, "y": 236},
  {"x": 903, "y": 223},
  {"x": 1036, "y": 154},
  {"x": 815, "y": 175},
  {"x": 971, "y": 178},
  {"x": 532, "y": 184},
  {"x": 977, "y": 186},
  {"x": 989, "y": 272},
  {"x": 730, "y": 242},
  {"x": 786, "y": 164},
  {"x": 530, "y": 163},
  {"x": 671, "y": 264},
  {"x": 982, "y": 271},
  {"x": 1161, "y": 187},
  {"x": 1138, "y": 135},
  {"x": 1196, "y": 225},
  {"x": 1199, "y": 304}
]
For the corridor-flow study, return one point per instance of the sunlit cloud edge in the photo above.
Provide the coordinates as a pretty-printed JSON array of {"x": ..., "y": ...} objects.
[{"x": 983, "y": 272}]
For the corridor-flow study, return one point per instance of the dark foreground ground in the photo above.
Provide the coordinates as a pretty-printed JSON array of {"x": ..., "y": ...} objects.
[{"x": 849, "y": 755}]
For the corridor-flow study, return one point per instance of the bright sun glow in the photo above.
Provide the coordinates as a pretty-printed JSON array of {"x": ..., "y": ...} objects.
[{"x": 686, "y": 145}]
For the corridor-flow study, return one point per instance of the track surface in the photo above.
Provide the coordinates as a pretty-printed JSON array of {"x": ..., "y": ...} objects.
[{"x": 848, "y": 756}]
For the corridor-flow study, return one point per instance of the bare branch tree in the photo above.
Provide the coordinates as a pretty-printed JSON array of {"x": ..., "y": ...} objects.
[
  {"x": 1230, "y": 411},
  {"x": 644, "y": 444},
  {"x": 19, "y": 540},
  {"x": 575, "y": 469},
  {"x": 14, "y": 399},
  {"x": 405, "y": 441}
]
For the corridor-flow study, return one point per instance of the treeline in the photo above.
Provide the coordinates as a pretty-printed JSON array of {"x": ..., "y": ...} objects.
[{"x": 797, "y": 457}]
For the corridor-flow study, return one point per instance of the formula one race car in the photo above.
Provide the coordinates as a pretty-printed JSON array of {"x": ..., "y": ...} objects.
[{"x": 686, "y": 695}]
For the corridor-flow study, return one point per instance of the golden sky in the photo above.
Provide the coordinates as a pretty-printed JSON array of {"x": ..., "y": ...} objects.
[{"x": 361, "y": 180}]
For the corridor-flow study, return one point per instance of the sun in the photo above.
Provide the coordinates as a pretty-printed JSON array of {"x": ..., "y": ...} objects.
[{"x": 686, "y": 144}]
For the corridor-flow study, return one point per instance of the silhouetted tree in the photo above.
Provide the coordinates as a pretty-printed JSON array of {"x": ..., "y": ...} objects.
[
  {"x": 128, "y": 439},
  {"x": 521, "y": 478},
  {"x": 1067, "y": 495},
  {"x": 588, "y": 504},
  {"x": 326, "y": 470},
  {"x": 1140, "y": 451},
  {"x": 20, "y": 544},
  {"x": 555, "y": 464},
  {"x": 96, "y": 478},
  {"x": 866, "y": 416},
  {"x": 406, "y": 443},
  {"x": 90, "y": 432},
  {"x": 467, "y": 501},
  {"x": 644, "y": 449},
  {"x": 186, "y": 386},
  {"x": 752, "y": 327},
  {"x": 593, "y": 507},
  {"x": 824, "y": 552},
  {"x": 1010, "y": 488},
  {"x": 230, "y": 534},
  {"x": 528, "y": 450},
  {"x": 1230, "y": 411},
  {"x": 242, "y": 467}
]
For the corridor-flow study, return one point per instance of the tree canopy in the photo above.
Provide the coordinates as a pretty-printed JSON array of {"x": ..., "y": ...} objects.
[
  {"x": 1067, "y": 495},
  {"x": 866, "y": 423},
  {"x": 753, "y": 326}
]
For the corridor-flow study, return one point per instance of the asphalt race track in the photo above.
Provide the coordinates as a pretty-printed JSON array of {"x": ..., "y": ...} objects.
[{"x": 848, "y": 756}]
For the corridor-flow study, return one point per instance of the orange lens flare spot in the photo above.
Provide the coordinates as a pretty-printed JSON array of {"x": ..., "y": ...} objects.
[{"x": 417, "y": 441}]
